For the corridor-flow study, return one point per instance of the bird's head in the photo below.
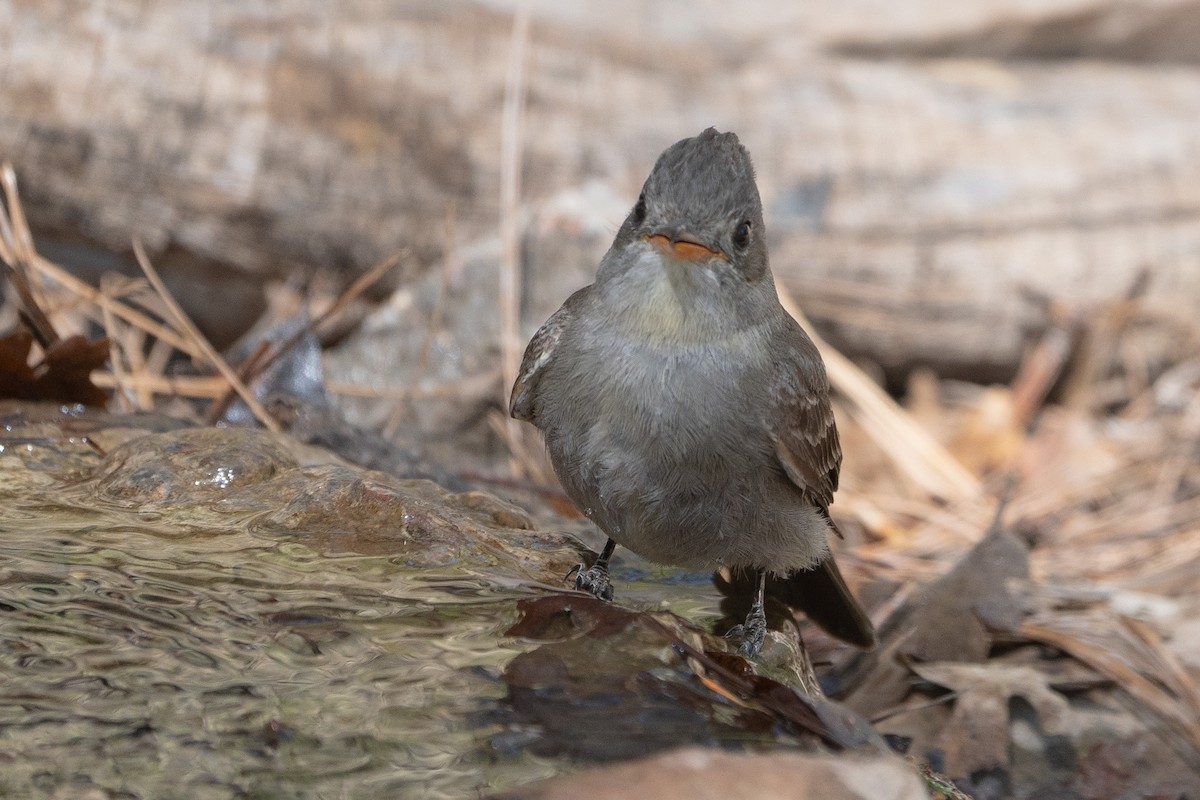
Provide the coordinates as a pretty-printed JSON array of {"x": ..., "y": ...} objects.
[{"x": 693, "y": 246}]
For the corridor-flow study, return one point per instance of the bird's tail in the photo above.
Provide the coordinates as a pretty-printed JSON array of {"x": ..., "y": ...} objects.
[{"x": 822, "y": 594}]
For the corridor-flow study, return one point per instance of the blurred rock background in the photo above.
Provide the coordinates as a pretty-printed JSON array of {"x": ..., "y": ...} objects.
[{"x": 939, "y": 178}]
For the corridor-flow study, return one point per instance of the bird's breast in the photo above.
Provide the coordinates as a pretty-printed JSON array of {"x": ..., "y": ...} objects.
[
  {"x": 663, "y": 447},
  {"x": 623, "y": 413}
]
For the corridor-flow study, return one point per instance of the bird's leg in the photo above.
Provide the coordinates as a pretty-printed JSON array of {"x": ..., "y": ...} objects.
[
  {"x": 595, "y": 580},
  {"x": 753, "y": 631}
]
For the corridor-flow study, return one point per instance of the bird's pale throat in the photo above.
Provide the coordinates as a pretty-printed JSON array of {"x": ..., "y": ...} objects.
[{"x": 683, "y": 248}]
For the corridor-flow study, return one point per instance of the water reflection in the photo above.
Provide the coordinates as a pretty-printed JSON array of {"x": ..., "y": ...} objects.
[
  {"x": 159, "y": 647},
  {"x": 215, "y": 663}
]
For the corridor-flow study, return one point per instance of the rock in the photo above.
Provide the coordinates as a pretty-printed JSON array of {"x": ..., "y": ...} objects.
[
  {"x": 910, "y": 200},
  {"x": 700, "y": 774},
  {"x": 182, "y": 466},
  {"x": 219, "y": 474}
]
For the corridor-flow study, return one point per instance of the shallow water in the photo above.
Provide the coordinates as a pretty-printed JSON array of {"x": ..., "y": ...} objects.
[
  {"x": 209, "y": 665},
  {"x": 192, "y": 651}
]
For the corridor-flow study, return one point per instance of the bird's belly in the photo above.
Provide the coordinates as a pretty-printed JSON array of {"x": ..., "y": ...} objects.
[{"x": 671, "y": 467}]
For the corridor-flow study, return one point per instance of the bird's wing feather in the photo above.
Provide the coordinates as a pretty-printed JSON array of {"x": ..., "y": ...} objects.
[
  {"x": 802, "y": 424},
  {"x": 523, "y": 402}
]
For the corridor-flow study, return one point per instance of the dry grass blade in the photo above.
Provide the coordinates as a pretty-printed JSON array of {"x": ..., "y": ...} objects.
[
  {"x": 1180, "y": 716},
  {"x": 8, "y": 244},
  {"x": 18, "y": 233},
  {"x": 910, "y": 447},
  {"x": 510, "y": 191},
  {"x": 1038, "y": 371},
  {"x": 1170, "y": 671},
  {"x": 266, "y": 354},
  {"x": 134, "y": 350},
  {"x": 466, "y": 387},
  {"x": 1102, "y": 333},
  {"x": 204, "y": 387},
  {"x": 360, "y": 285},
  {"x": 17, "y": 250},
  {"x": 123, "y": 391},
  {"x": 120, "y": 310},
  {"x": 210, "y": 353},
  {"x": 252, "y": 366}
]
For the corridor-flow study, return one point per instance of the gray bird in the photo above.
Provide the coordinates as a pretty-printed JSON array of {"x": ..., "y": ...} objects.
[{"x": 684, "y": 411}]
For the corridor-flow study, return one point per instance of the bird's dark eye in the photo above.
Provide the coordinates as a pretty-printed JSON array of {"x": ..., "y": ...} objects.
[
  {"x": 639, "y": 211},
  {"x": 741, "y": 234}
]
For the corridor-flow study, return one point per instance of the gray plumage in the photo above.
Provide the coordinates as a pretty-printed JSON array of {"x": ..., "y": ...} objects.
[{"x": 684, "y": 411}]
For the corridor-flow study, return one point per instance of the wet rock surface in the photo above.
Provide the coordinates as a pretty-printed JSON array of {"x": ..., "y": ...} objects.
[
  {"x": 609, "y": 684},
  {"x": 226, "y": 607},
  {"x": 313, "y": 628},
  {"x": 190, "y": 465},
  {"x": 695, "y": 774}
]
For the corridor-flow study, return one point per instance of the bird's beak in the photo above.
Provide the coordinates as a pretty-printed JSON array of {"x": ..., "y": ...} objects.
[{"x": 682, "y": 246}]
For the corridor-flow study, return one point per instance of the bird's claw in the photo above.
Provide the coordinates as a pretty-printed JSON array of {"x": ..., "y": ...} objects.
[
  {"x": 594, "y": 581},
  {"x": 752, "y": 634}
]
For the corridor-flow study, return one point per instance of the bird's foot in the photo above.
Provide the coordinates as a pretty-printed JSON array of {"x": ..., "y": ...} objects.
[
  {"x": 752, "y": 633},
  {"x": 594, "y": 580}
]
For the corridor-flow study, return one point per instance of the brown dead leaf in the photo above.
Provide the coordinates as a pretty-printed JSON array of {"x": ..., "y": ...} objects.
[
  {"x": 951, "y": 619},
  {"x": 1103, "y": 772},
  {"x": 590, "y": 646},
  {"x": 976, "y": 737},
  {"x": 15, "y": 371},
  {"x": 63, "y": 375}
]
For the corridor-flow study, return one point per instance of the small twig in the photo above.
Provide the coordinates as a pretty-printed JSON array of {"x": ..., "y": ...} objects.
[
  {"x": 1041, "y": 367},
  {"x": 901, "y": 710},
  {"x": 114, "y": 351},
  {"x": 134, "y": 350},
  {"x": 249, "y": 367},
  {"x": 473, "y": 384},
  {"x": 360, "y": 285},
  {"x": 18, "y": 253},
  {"x": 266, "y": 354},
  {"x": 8, "y": 246},
  {"x": 20, "y": 238},
  {"x": 201, "y": 387},
  {"x": 1102, "y": 333},
  {"x": 159, "y": 357},
  {"x": 132, "y": 316},
  {"x": 210, "y": 353},
  {"x": 510, "y": 192}
]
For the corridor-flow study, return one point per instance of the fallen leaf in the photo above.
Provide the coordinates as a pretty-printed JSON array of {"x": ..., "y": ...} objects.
[
  {"x": 977, "y": 735},
  {"x": 63, "y": 375},
  {"x": 951, "y": 619}
]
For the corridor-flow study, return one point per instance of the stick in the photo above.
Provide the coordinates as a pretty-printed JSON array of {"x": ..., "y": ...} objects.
[{"x": 210, "y": 353}]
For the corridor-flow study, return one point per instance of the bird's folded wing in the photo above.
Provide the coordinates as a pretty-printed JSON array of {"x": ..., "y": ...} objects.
[
  {"x": 802, "y": 424},
  {"x": 522, "y": 403}
]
